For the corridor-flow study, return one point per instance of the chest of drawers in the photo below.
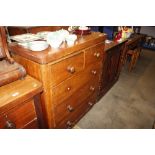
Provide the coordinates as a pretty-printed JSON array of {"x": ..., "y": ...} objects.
[
  {"x": 20, "y": 104},
  {"x": 70, "y": 77}
]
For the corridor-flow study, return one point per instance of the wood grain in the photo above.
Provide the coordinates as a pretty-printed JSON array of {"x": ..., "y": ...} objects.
[{"x": 59, "y": 86}]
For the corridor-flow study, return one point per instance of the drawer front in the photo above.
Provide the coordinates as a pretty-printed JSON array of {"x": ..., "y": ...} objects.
[
  {"x": 67, "y": 88},
  {"x": 73, "y": 118},
  {"x": 66, "y": 68},
  {"x": 94, "y": 54},
  {"x": 20, "y": 117},
  {"x": 69, "y": 105}
]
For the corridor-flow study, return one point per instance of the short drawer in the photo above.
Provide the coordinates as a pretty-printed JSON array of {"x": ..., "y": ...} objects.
[
  {"x": 66, "y": 68},
  {"x": 69, "y": 105},
  {"x": 22, "y": 116},
  {"x": 73, "y": 118},
  {"x": 94, "y": 54}
]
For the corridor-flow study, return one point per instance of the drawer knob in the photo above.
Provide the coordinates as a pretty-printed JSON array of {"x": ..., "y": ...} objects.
[
  {"x": 92, "y": 88},
  {"x": 10, "y": 125},
  {"x": 94, "y": 72},
  {"x": 68, "y": 88},
  {"x": 90, "y": 103},
  {"x": 71, "y": 69},
  {"x": 70, "y": 108},
  {"x": 97, "y": 55},
  {"x": 69, "y": 124}
]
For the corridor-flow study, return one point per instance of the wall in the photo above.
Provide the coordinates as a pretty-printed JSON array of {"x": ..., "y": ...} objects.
[{"x": 149, "y": 30}]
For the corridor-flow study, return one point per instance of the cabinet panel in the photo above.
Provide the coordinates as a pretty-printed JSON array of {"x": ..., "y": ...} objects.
[{"x": 111, "y": 68}]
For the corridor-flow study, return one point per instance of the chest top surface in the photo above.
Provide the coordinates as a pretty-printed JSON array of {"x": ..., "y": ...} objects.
[{"x": 51, "y": 54}]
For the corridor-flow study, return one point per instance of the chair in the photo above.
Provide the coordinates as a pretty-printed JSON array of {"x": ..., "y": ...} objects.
[
  {"x": 9, "y": 70},
  {"x": 133, "y": 52}
]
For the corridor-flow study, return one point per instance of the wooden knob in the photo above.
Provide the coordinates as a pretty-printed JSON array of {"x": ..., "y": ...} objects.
[
  {"x": 92, "y": 88},
  {"x": 93, "y": 72},
  {"x": 68, "y": 88},
  {"x": 70, "y": 108},
  {"x": 90, "y": 103},
  {"x": 71, "y": 69},
  {"x": 69, "y": 124},
  {"x": 97, "y": 55}
]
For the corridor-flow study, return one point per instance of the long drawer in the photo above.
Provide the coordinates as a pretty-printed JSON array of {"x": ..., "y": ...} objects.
[
  {"x": 72, "y": 85},
  {"x": 66, "y": 68},
  {"x": 23, "y": 116},
  {"x": 70, "y": 104},
  {"x": 73, "y": 118}
]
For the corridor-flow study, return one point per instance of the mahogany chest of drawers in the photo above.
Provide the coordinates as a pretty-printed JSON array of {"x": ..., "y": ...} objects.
[
  {"x": 20, "y": 104},
  {"x": 70, "y": 77}
]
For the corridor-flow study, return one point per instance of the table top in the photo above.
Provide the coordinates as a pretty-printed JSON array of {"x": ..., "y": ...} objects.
[
  {"x": 18, "y": 91},
  {"x": 51, "y": 54},
  {"x": 113, "y": 44}
]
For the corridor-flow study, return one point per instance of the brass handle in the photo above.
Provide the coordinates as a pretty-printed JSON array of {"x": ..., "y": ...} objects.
[
  {"x": 97, "y": 55},
  {"x": 90, "y": 103},
  {"x": 93, "y": 72},
  {"x": 71, "y": 69},
  {"x": 70, "y": 108},
  {"x": 92, "y": 88},
  {"x": 69, "y": 124},
  {"x": 9, "y": 124}
]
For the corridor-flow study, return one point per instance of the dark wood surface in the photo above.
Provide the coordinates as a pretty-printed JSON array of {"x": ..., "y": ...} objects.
[
  {"x": 9, "y": 69},
  {"x": 18, "y": 103},
  {"x": 16, "y": 30},
  {"x": 112, "y": 44},
  {"x": 112, "y": 65},
  {"x": 63, "y": 87}
]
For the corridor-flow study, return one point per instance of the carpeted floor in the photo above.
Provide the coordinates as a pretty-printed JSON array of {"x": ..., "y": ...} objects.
[{"x": 131, "y": 101}]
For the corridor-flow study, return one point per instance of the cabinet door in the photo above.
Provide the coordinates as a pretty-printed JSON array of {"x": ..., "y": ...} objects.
[
  {"x": 111, "y": 67},
  {"x": 113, "y": 64}
]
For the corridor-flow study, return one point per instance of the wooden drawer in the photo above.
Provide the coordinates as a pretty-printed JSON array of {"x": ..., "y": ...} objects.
[
  {"x": 22, "y": 116},
  {"x": 73, "y": 118},
  {"x": 67, "y": 88},
  {"x": 66, "y": 68},
  {"x": 94, "y": 54},
  {"x": 69, "y": 105}
]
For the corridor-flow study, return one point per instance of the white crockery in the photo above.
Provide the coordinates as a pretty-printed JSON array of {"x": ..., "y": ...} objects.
[
  {"x": 37, "y": 45},
  {"x": 54, "y": 39},
  {"x": 83, "y": 28},
  {"x": 71, "y": 39}
]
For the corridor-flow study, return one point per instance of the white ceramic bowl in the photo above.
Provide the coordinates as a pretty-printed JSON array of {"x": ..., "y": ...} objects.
[
  {"x": 54, "y": 39},
  {"x": 37, "y": 45},
  {"x": 71, "y": 39}
]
